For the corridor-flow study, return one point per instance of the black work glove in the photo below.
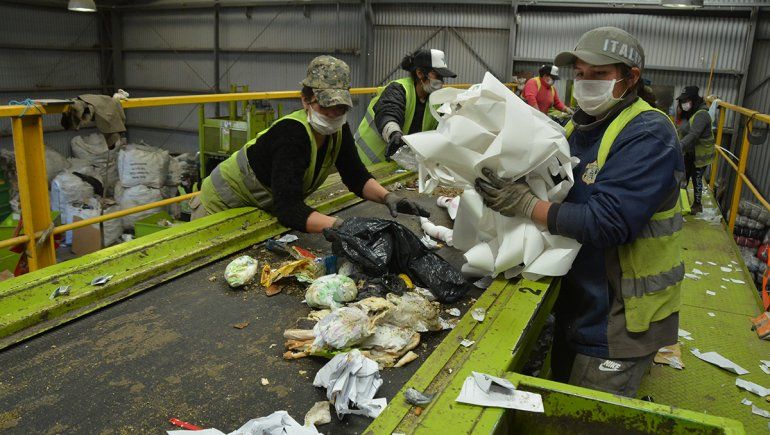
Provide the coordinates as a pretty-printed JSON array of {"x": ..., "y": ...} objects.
[
  {"x": 398, "y": 204},
  {"x": 506, "y": 196},
  {"x": 396, "y": 141}
]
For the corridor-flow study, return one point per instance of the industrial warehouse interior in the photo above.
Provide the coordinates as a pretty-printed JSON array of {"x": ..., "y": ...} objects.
[{"x": 384, "y": 217}]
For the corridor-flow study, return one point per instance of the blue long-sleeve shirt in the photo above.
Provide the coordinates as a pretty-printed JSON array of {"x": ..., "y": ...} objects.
[{"x": 604, "y": 211}]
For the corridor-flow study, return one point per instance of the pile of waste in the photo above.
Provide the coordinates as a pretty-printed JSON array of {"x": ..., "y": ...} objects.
[{"x": 752, "y": 235}]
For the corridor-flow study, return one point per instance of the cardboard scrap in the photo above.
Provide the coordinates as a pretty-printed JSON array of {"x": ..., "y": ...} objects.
[
  {"x": 241, "y": 325},
  {"x": 486, "y": 390},
  {"x": 670, "y": 355}
]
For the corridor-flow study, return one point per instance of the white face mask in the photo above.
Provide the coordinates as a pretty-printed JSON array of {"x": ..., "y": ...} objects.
[
  {"x": 325, "y": 124},
  {"x": 687, "y": 106},
  {"x": 549, "y": 81},
  {"x": 433, "y": 85},
  {"x": 595, "y": 96}
]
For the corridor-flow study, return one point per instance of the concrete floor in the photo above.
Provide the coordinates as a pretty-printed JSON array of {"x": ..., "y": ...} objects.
[{"x": 172, "y": 352}]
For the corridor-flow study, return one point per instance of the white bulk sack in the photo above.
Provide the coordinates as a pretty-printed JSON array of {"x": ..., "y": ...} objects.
[
  {"x": 140, "y": 164},
  {"x": 112, "y": 229},
  {"x": 67, "y": 188},
  {"x": 178, "y": 166},
  {"x": 135, "y": 196},
  {"x": 92, "y": 147},
  {"x": 55, "y": 163},
  {"x": 488, "y": 126}
]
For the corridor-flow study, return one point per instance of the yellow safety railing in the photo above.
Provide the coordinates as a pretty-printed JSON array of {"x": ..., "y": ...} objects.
[
  {"x": 27, "y": 126},
  {"x": 749, "y": 116}
]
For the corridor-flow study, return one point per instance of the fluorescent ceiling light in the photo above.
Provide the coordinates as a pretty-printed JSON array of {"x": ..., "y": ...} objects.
[
  {"x": 682, "y": 4},
  {"x": 82, "y": 6}
]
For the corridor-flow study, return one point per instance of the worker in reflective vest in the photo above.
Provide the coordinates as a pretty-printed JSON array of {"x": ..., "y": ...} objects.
[
  {"x": 401, "y": 107},
  {"x": 540, "y": 92},
  {"x": 697, "y": 140},
  {"x": 620, "y": 301},
  {"x": 287, "y": 162}
]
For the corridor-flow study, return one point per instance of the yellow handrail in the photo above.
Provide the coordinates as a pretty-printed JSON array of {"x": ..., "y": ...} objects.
[{"x": 740, "y": 167}]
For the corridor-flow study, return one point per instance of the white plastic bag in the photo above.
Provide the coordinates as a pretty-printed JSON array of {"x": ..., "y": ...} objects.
[
  {"x": 135, "y": 196},
  {"x": 488, "y": 126},
  {"x": 140, "y": 164},
  {"x": 92, "y": 147},
  {"x": 67, "y": 188},
  {"x": 330, "y": 291},
  {"x": 342, "y": 328},
  {"x": 240, "y": 271}
]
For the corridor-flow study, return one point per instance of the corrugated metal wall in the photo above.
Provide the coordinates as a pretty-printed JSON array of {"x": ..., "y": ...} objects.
[{"x": 33, "y": 63}]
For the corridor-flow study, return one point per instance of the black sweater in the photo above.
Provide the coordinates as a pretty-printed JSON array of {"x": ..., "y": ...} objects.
[
  {"x": 392, "y": 106},
  {"x": 282, "y": 155}
]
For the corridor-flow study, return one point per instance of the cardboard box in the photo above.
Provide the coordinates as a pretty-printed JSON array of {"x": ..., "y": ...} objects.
[{"x": 87, "y": 239}]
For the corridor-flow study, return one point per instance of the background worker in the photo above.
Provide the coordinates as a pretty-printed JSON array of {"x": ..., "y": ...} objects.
[
  {"x": 287, "y": 162},
  {"x": 619, "y": 303},
  {"x": 401, "y": 107},
  {"x": 540, "y": 92},
  {"x": 697, "y": 141}
]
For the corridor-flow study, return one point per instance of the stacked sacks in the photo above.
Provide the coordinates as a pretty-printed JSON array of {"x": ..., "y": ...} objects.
[
  {"x": 142, "y": 171},
  {"x": 180, "y": 167},
  {"x": 752, "y": 234},
  {"x": 93, "y": 149}
]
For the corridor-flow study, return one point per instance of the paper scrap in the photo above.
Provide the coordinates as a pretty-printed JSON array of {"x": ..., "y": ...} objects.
[
  {"x": 319, "y": 414},
  {"x": 723, "y": 287},
  {"x": 352, "y": 379},
  {"x": 683, "y": 333},
  {"x": 725, "y": 280},
  {"x": 734, "y": 262},
  {"x": 691, "y": 276},
  {"x": 670, "y": 355},
  {"x": 264, "y": 381},
  {"x": 765, "y": 368},
  {"x": 711, "y": 314},
  {"x": 697, "y": 271},
  {"x": 752, "y": 387},
  {"x": 759, "y": 411},
  {"x": 288, "y": 238},
  {"x": 710, "y": 293},
  {"x": 699, "y": 263},
  {"x": 486, "y": 390},
  {"x": 726, "y": 269},
  {"x": 453, "y": 312},
  {"x": 737, "y": 281},
  {"x": 279, "y": 422},
  {"x": 479, "y": 314},
  {"x": 467, "y": 343},
  {"x": 720, "y": 361},
  {"x": 711, "y": 263},
  {"x": 746, "y": 401}
]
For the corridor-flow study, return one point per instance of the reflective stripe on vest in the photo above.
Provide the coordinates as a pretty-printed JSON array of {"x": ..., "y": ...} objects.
[
  {"x": 540, "y": 85},
  {"x": 236, "y": 185},
  {"x": 705, "y": 148},
  {"x": 370, "y": 143},
  {"x": 651, "y": 266}
]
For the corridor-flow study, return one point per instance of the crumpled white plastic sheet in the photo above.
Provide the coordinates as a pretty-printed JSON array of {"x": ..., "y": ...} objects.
[
  {"x": 277, "y": 423},
  {"x": 351, "y": 379},
  {"x": 488, "y": 126}
]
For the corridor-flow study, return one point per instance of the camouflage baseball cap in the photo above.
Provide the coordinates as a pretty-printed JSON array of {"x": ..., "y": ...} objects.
[
  {"x": 604, "y": 46},
  {"x": 330, "y": 79}
]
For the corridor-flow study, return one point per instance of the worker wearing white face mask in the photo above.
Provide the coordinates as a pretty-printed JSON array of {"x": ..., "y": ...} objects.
[
  {"x": 697, "y": 140},
  {"x": 288, "y": 161},
  {"x": 401, "y": 107},
  {"x": 540, "y": 93},
  {"x": 620, "y": 301}
]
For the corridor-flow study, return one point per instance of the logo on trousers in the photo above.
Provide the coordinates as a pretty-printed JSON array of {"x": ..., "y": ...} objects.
[{"x": 609, "y": 366}]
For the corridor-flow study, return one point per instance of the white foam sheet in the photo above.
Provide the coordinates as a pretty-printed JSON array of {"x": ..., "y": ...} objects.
[{"x": 483, "y": 127}]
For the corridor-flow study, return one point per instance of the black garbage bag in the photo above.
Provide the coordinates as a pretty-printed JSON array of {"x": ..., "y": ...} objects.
[
  {"x": 382, "y": 247},
  {"x": 380, "y": 286}
]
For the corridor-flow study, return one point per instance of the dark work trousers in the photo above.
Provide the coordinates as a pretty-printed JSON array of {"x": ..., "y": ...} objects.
[
  {"x": 616, "y": 376},
  {"x": 694, "y": 174}
]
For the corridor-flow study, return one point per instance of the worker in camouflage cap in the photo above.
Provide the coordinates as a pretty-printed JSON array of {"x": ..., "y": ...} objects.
[{"x": 329, "y": 78}]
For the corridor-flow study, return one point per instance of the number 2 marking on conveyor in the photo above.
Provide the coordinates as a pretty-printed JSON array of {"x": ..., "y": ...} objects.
[{"x": 527, "y": 289}]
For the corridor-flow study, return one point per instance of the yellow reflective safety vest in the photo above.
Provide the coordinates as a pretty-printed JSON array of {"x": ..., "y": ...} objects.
[
  {"x": 539, "y": 84},
  {"x": 233, "y": 183},
  {"x": 371, "y": 145},
  {"x": 704, "y": 149},
  {"x": 651, "y": 266}
]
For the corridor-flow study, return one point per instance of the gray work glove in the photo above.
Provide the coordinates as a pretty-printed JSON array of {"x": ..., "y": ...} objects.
[
  {"x": 337, "y": 223},
  {"x": 398, "y": 204},
  {"x": 508, "y": 197}
]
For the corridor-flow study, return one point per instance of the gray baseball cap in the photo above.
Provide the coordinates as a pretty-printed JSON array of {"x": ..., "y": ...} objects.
[{"x": 604, "y": 46}]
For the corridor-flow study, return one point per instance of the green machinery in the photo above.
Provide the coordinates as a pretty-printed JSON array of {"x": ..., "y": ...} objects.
[{"x": 221, "y": 136}]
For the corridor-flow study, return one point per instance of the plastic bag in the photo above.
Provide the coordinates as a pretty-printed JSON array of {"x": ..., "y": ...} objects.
[
  {"x": 55, "y": 163},
  {"x": 342, "y": 329},
  {"x": 381, "y": 286},
  {"x": 92, "y": 147},
  {"x": 67, "y": 188},
  {"x": 240, "y": 271},
  {"x": 382, "y": 246},
  {"x": 178, "y": 166},
  {"x": 330, "y": 290},
  {"x": 134, "y": 196},
  {"x": 414, "y": 312},
  {"x": 140, "y": 164}
]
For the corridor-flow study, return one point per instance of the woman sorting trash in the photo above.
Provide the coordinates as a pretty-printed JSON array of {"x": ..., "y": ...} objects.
[
  {"x": 620, "y": 301},
  {"x": 401, "y": 107},
  {"x": 288, "y": 161}
]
